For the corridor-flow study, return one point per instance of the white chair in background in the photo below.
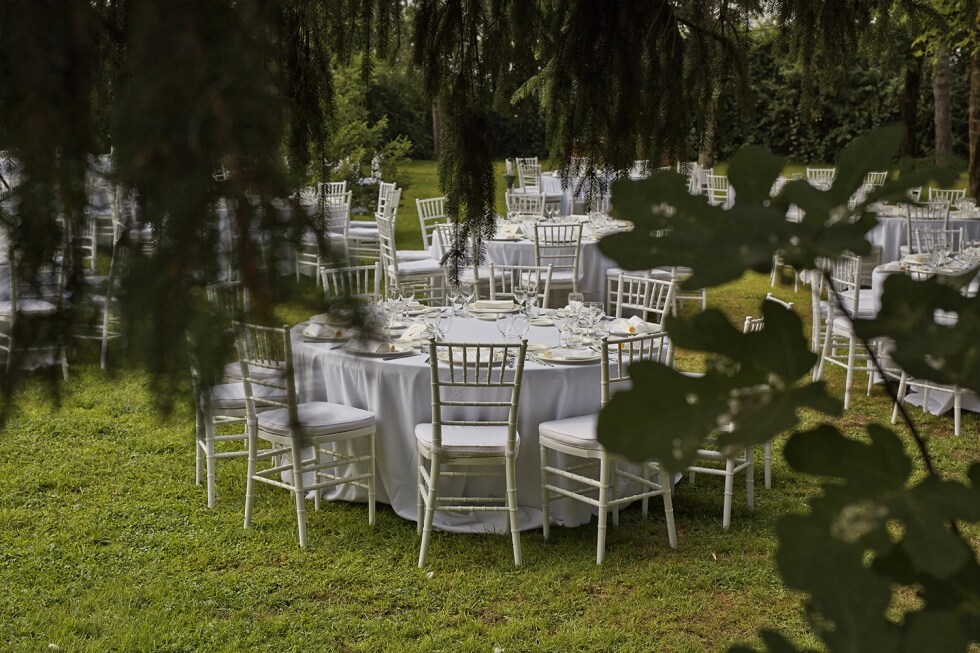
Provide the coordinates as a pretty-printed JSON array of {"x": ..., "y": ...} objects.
[
  {"x": 290, "y": 427},
  {"x": 478, "y": 275},
  {"x": 503, "y": 279},
  {"x": 336, "y": 215},
  {"x": 529, "y": 175},
  {"x": 560, "y": 246},
  {"x": 652, "y": 299},
  {"x": 754, "y": 325},
  {"x": 577, "y": 437},
  {"x": 425, "y": 276},
  {"x": 432, "y": 212},
  {"x": 947, "y": 195},
  {"x": 845, "y": 280},
  {"x": 466, "y": 377},
  {"x": 525, "y": 205},
  {"x": 821, "y": 178},
  {"x": 875, "y": 179},
  {"x": 929, "y": 216},
  {"x": 928, "y": 240},
  {"x": 718, "y": 191},
  {"x": 332, "y": 188},
  {"x": 360, "y": 281}
]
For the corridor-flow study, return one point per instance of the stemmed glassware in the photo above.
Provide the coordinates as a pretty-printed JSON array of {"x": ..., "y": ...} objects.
[
  {"x": 505, "y": 324},
  {"x": 466, "y": 293},
  {"x": 520, "y": 295},
  {"x": 565, "y": 321},
  {"x": 452, "y": 294},
  {"x": 592, "y": 312},
  {"x": 576, "y": 301},
  {"x": 438, "y": 322}
]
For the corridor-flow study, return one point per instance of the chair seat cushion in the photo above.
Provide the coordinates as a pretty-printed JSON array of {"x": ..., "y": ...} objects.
[
  {"x": 424, "y": 266},
  {"x": 561, "y": 276},
  {"x": 412, "y": 255},
  {"x": 481, "y": 440},
  {"x": 36, "y": 307},
  {"x": 316, "y": 418},
  {"x": 231, "y": 396},
  {"x": 363, "y": 234},
  {"x": 234, "y": 371},
  {"x": 573, "y": 431}
]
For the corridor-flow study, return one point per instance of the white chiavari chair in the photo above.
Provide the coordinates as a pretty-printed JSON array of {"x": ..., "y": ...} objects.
[
  {"x": 359, "y": 281},
  {"x": 432, "y": 212},
  {"x": 718, "y": 190},
  {"x": 600, "y": 472},
  {"x": 291, "y": 427},
  {"x": 560, "y": 246},
  {"x": 504, "y": 278},
  {"x": 476, "y": 390}
]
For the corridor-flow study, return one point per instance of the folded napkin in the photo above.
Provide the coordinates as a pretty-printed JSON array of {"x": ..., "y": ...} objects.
[
  {"x": 317, "y": 330},
  {"x": 498, "y": 305},
  {"x": 633, "y": 325},
  {"x": 510, "y": 231},
  {"x": 576, "y": 354},
  {"x": 413, "y": 333}
]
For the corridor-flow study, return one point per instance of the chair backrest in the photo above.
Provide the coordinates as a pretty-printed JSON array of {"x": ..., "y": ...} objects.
[
  {"x": 915, "y": 193},
  {"x": 777, "y": 186},
  {"x": 476, "y": 375},
  {"x": 948, "y": 195},
  {"x": 651, "y": 298},
  {"x": 385, "y": 189},
  {"x": 526, "y": 204},
  {"x": 624, "y": 352},
  {"x": 229, "y": 300},
  {"x": 934, "y": 215},
  {"x": 432, "y": 212},
  {"x": 386, "y": 235},
  {"x": 337, "y": 212},
  {"x": 875, "y": 179},
  {"x": 529, "y": 176},
  {"x": 755, "y": 324},
  {"x": 845, "y": 276},
  {"x": 266, "y": 348},
  {"x": 558, "y": 245},
  {"x": 718, "y": 190},
  {"x": 360, "y": 281},
  {"x": 821, "y": 177},
  {"x": 641, "y": 169},
  {"x": 578, "y": 166},
  {"x": 503, "y": 278},
  {"x": 927, "y": 240},
  {"x": 331, "y": 188}
]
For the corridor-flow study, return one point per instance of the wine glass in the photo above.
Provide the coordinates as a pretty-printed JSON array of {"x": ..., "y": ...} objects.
[
  {"x": 575, "y": 301},
  {"x": 505, "y": 324},
  {"x": 531, "y": 306},
  {"x": 562, "y": 317},
  {"x": 452, "y": 294},
  {"x": 519, "y": 326},
  {"x": 520, "y": 295},
  {"x": 466, "y": 292},
  {"x": 593, "y": 312},
  {"x": 406, "y": 293}
]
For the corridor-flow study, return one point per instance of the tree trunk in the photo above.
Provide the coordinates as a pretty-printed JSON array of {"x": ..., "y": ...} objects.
[
  {"x": 910, "y": 107},
  {"x": 706, "y": 158},
  {"x": 436, "y": 131},
  {"x": 973, "y": 179},
  {"x": 943, "y": 117}
]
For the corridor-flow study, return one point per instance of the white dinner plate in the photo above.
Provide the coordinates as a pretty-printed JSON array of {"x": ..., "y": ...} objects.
[
  {"x": 376, "y": 348},
  {"x": 487, "y": 311},
  {"x": 329, "y": 334},
  {"x": 649, "y": 328},
  {"x": 569, "y": 356},
  {"x": 541, "y": 321}
]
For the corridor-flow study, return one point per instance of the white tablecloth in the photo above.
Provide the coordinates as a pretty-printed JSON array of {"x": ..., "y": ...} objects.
[
  {"x": 398, "y": 392},
  {"x": 891, "y": 233},
  {"x": 592, "y": 266}
]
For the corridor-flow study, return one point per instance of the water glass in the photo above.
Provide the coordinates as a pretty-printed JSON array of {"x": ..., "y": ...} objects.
[
  {"x": 466, "y": 292},
  {"x": 575, "y": 301},
  {"x": 519, "y": 326},
  {"x": 505, "y": 324},
  {"x": 520, "y": 295},
  {"x": 452, "y": 294}
]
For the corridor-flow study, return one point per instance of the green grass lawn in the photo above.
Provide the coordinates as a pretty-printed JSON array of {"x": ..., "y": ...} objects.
[{"x": 107, "y": 544}]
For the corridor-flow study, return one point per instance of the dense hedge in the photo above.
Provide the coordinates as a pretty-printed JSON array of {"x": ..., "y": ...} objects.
[{"x": 869, "y": 96}]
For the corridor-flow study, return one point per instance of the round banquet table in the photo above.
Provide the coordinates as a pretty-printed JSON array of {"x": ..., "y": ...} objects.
[
  {"x": 398, "y": 392},
  {"x": 592, "y": 266},
  {"x": 891, "y": 233}
]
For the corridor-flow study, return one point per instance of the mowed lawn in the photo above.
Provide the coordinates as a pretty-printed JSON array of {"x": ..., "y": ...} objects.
[{"x": 106, "y": 544}]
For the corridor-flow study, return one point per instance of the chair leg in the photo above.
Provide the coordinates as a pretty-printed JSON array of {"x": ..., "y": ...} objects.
[
  {"x": 250, "y": 477},
  {"x": 900, "y": 395},
  {"x": 317, "y": 460},
  {"x": 648, "y": 475},
  {"x": 613, "y": 476},
  {"x": 545, "y": 516},
  {"x": 300, "y": 493},
  {"x": 430, "y": 507},
  {"x": 510, "y": 472},
  {"x": 668, "y": 508},
  {"x": 600, "y": 551},
  {"x": 849, "y": 379},
  {"x": 750, "y": 478},
  {"x": 198, "y": 446},
  {"x": 420, "y": 491},
  {"x": 957, "y": 409},
  {"x": 767, "y": 465},
  {"x": 372, "y": 510},
  {"x": 726, "y": 515},
  {"x": 209, "y": 444}
]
